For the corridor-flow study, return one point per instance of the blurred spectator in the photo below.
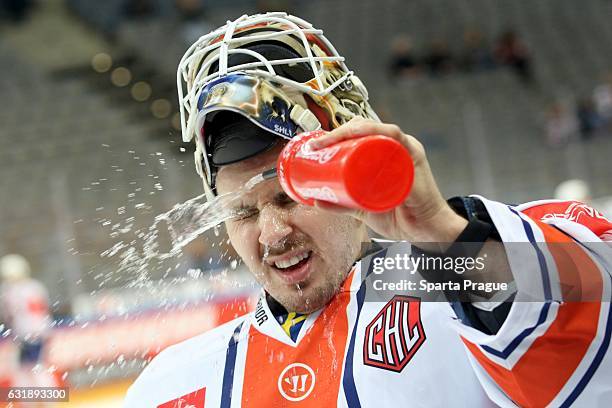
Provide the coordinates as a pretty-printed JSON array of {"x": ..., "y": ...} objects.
[
  {"x": 561, "y": 125},
  {"x": 24, "y": 303},
  {"x": 438, "y": 60},
  {"x": 264, "y": 6},
  {"x": 589, "y": 120},
  {"x": 512, "y": 52},
  {"x": 17, "y": 10},
  {"x": 403, "y": 63},
  {"x": 477, "y": 55},
  {"x": 139, "y": 9},
  {"x": 192, "y": 15},
  {"x": 602, "y": 98},
  {"x": 190, "y": 9},
  {"x": 24, "y": 299}
]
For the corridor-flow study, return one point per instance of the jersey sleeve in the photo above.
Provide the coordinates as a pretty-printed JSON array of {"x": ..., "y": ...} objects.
[
  {"x": 552, "y": 348},
  {"x": 142, "y": 393}
]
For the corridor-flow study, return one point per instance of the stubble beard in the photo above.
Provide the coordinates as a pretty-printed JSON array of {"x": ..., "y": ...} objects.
[
  {"x": 316, "y": 294},
  {"x": 309, "y": 299},
  {"x": 312, "y": 296}
]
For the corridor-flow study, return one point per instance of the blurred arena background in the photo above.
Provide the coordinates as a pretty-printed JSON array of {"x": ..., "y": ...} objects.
[{"x": 510, "y": 98}]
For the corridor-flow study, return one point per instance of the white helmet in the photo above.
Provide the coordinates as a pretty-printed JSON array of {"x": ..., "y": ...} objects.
[
  {"x": 273, "y": 69},
  {"x": 14, "y": 267},
  {"x": 573, "y": 189}
]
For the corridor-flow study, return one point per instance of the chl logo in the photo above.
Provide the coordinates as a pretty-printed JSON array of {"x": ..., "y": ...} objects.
[
  {"x": 394, "y": 335},
  {"x": 296, "y": 382}
]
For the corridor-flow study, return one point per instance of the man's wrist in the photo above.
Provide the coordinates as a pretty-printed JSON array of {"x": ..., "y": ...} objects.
[{"x": 442, "y": 229}]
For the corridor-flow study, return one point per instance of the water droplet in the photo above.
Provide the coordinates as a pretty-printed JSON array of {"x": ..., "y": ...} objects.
[{"x": 165, "y": 238}]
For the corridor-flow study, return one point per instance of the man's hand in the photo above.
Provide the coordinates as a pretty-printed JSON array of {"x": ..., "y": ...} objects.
[{"x": 424, "y": 216}]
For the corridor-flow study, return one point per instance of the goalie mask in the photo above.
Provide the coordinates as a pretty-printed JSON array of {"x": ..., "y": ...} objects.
[{"x": 257, "y": 80}]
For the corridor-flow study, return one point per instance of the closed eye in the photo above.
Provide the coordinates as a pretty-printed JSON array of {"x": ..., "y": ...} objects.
[
  {"x": 283, "y": 199},
  {"x": 245, "y": 213}
]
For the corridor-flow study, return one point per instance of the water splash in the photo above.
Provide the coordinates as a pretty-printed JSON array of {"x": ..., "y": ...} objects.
[
  {"x": 172, "y": 231},
  {"x": 186, "y": 221}
]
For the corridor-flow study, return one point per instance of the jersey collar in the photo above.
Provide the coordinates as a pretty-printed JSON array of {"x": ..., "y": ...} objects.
[{"x": 264, "y": 316}]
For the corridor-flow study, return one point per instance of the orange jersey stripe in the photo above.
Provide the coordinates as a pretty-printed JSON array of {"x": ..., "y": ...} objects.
[
  {"x": 321, "y": 349},
  {"x": 545, "y": 368}
]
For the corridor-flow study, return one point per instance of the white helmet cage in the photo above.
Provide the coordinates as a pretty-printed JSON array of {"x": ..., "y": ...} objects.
[{"x": 333, "y": 87}]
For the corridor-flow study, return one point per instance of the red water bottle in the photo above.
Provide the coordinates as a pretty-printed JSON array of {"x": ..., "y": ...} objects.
[{"x": 373, "y": 173}]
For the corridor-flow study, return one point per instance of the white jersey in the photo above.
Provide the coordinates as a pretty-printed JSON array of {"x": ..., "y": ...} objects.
[
  {"x": 24, "y": 306},
  {"x": 404, "y": 352}
]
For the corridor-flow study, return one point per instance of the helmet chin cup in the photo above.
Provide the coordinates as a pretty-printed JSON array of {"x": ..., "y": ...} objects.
[{"x": 305, "y": 119}]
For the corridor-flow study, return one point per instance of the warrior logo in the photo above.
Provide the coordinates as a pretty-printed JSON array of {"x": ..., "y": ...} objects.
[
  {"x": 296, "y": 382},
  {"x": 394, "y": 335}
]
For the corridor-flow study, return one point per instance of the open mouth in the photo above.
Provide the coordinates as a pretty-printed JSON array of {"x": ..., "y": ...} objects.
[{"x": 296, "y": 269}]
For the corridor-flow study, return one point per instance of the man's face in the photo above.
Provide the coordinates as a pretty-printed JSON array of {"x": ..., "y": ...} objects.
[{"x": 300, "y": 255}]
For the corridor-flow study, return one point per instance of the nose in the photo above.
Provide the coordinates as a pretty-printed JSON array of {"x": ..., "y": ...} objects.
[{"x": 274, "y": 226}]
